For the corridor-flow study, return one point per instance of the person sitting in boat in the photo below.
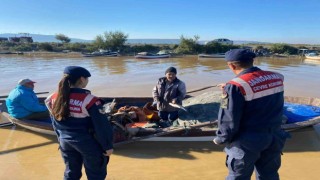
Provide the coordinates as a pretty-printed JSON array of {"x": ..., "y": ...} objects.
[
  {"x": 22, "y": 102},
  {"x": 169, "y": 89}
]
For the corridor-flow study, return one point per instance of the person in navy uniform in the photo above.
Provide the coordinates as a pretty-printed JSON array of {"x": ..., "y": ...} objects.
[
  {"x": 82, "y": 127},
  {"x": 249, "y": 119},
  {"x": 169, "y": 89}
]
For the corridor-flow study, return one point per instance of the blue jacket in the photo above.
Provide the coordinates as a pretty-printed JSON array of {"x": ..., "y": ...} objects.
[
  {"x": 87, "y": 119},
  {"x": 22, "y": 101},
  {"x": 252, "y": 102}
]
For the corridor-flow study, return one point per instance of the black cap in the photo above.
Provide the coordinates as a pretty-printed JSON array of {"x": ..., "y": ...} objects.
[
  {"x": 171, "y": 69},
  {"x": 239, "y": 55},
  {"x": 76, "y": 71}
]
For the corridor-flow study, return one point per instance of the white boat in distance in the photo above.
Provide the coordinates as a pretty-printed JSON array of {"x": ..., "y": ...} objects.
[
  {"x": 146, "y": 55},
  {"x": 101, "y": 52},
  {"x": 312, "y": 56},
  {"x": 218, "y": 55}
]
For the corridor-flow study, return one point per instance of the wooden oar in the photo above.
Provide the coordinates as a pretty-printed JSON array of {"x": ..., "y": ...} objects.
[
  {"x": 196, "y": 90},
  {"x": 5, "y": 96}
]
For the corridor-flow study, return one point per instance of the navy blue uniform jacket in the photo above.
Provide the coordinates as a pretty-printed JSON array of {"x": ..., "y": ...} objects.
[
  {"x": 86, "y": 120},
  {"x": 251, "y": 102}
]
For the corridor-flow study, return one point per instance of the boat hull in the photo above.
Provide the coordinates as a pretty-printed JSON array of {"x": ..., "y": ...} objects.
[
  {"x": 152, "y": 56},
  {"x": 313, "y": 57},
  {"x": 113, "y": 54},
  {"x": 220, "y": 55},
  {"x": 203, "y": 129}
]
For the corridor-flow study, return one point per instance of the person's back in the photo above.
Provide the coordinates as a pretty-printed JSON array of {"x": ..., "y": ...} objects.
[
  {"x": 22, "y": 101},
  {"x": 82, "y": 127},
  {"x": 249, "y": 119},
  {"x": 77, "y": 124},
  {"x": 264, "y": 96}
]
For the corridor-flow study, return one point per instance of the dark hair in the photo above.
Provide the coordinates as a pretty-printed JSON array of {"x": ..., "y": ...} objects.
[
  {"x": 60, "y": 109},
  {"x": 243, "y": 64},
  {"x": 172, "y": 70}
]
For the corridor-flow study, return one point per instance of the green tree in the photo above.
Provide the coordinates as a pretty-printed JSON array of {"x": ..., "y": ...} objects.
[
  {"x": 46, "y": 47},
  {"x": 187, "y": 45},
  {"x": 113, "y": 40},
  {"x": 63, "y": 38},
  {"x": 99, "y": 42},
  {"x": 215, "y": 47},
  {"x": 283, "y": 49},
  {"x": 145, "y": 48},
  {"x": 76, "y": 47},
  {"x": 259, "y": 47}
]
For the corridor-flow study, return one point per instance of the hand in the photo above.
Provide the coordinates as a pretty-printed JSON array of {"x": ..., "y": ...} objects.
[
  {"x": 221, "y": 85},
  {"x": 173, "y": 101},
  {"x": 108, "y": 152},
  {"x": 154, "y": 103},
  {"x": 216, "y": 141}
]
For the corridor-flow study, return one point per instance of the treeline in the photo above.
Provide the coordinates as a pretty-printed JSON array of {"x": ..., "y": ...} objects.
[{"x": 116, "y": 41}]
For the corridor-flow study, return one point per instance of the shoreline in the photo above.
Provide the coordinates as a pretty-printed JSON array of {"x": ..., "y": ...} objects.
[{"x": 74, "y": 54}]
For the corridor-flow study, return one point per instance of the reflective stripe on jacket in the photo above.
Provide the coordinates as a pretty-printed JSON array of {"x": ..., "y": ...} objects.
[
  {"x": 258, "y": 84},
  {"x": 87, "y": 119},
  {"x": 252, "y": 102}
]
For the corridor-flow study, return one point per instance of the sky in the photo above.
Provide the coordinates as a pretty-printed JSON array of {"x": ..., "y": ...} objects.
[{"x": 275, "y": 21}]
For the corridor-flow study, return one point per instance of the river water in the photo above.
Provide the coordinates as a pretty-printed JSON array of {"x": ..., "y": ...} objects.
[
  {"x": 126, "y": 76},
  {"x": 28, "y": 155}
]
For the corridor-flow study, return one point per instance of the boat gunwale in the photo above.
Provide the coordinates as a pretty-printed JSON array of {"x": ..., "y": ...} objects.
[{"x": 39, "y": 126}]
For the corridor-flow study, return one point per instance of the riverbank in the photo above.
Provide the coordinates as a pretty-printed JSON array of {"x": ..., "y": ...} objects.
[{"x": 72, "y": 54}]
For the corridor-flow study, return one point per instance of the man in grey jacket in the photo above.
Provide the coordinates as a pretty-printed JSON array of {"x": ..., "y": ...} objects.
[{"x": 169, "y": 89}]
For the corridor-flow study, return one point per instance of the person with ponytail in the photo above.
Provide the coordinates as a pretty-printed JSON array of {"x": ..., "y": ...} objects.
[{"x": 83, "y": 130}]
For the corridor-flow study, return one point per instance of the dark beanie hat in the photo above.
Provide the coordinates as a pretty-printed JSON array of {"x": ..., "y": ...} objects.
[
  {"x": 239, "y": 55},
  {"x": 171, "y": 69},
  {"x": 76, "y": 71}
]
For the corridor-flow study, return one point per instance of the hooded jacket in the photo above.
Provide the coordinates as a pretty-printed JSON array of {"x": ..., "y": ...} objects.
[{"x": 22, "y": 101}]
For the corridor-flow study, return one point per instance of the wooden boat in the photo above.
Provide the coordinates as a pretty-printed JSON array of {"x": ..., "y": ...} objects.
[
  {"x": 45, "y": 127},
  {"x": 201, "y": 129},
  {"x": 8, "y": 52},
  {"x": 146, "y": 55},
  {"x": 304, "y": 101},
  {"x": 279, "y": 55},
  {"x": 313, "y": 57},
  {"x": 103, "y": 53},
  {"x": 218, "y": 55}
]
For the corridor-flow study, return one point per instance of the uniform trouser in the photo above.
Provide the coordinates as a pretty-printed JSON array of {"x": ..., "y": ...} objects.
[
  {"x": 85, "y": 152},
  {"x": 165, "y": 115},
  {"x": 255, "y": 151}
]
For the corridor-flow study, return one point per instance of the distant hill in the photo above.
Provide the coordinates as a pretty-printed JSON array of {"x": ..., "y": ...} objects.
[
  {"x": 43, "y": 38},
  {"x": 153, "y": 41},
  {"x": 51, "y": 38},
  {"x": 177, "y": 41}
]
